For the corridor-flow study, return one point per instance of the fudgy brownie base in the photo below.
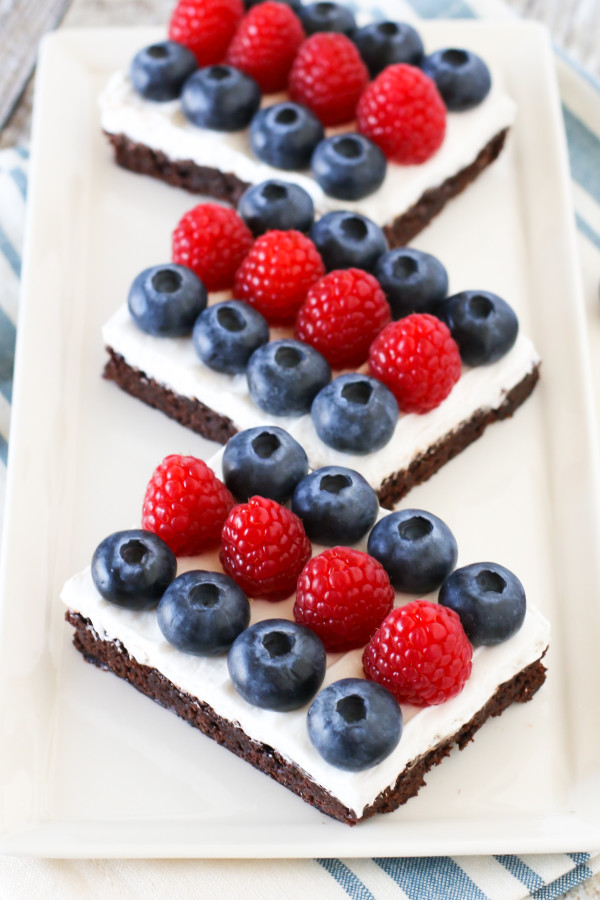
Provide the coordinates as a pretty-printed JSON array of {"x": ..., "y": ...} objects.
[{"x": 111, "y": 655}]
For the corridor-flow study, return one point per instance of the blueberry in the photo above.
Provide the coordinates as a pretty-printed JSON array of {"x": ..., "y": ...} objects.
[
  {"x": 354, "y": 724},
  {"x": 296, "y": 5},
  {"x": 348, "y": 240},
  {"x": 348, "y": 166},
  {"x": 412, "y": 281},
  {"x": 277, "y": 664},
  {"x": 265, "y": 461},
  {"x": 284, "y": 377},
  {"x": 221, "y": 98},
  {"x": 285, "y": 135},
  {"x": 158, "y": 72},
  {"x": 203, "y": 613},
  {"x": 416, "y": 549},
  {"x": 166, "y": 300},
  {"x": 133, "y": 568},
  {"x": 489, "y": 599},
  {"x": 483, "y": 325},
  {"x": 386, "y": 43},
  {"x": 355, "y": 414},
  {"x": 461, "y": 77},
  {"x": 227, "y": 334},
  {"x": 326, "y": 16},
  {"x": 276, "y": 205},
  {"x": 336, "y": 505}
]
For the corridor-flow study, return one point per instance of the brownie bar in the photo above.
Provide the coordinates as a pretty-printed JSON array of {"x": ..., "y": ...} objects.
[{"x": 111, "y": 655}]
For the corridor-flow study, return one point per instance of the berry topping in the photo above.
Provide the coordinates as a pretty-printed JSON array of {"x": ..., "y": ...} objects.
[
  {"x": 483, "y": 325},
  {"x": 355, "y": 414},
  {"x": 343, "y": 595},
  {"x": 416, "y": 549},
  {"x": 276, "y": 205},
  {"x": 285, "y": 376},
  {"x": 159, "y": 71},
  {"x": 403, "y": 113},
  {"x": 166, "y": 300},
  {"x": 326, "y": 16},
  {"x": 133, "y": 569},
  {"x": 347, "y": 239},
  {"x": 277, "y": 664},
  {"x": 264, "y": 549},
  {"x": 348, "y": 166},
  {"x": 336, "y": 505},
  {"x": 461, "y": 77},
  {"x": 413, "y": 281},
  {"x": 227, "y": 334},
  {"x": 206, "y": 27},
  {"x": 285, "y": 135},
  {"x": 418, "y": 360},
  {"x": 265, "y": 44},
  {"x": 386, "y": 43},
  {"x": 203, "y": 613},
  {"x": 420, "y": 653},
  {"x": 354, "y": 724},
  {"x": 186, "y": 504},
  {"x": 212, "y": 241},
  {"x": 265, "y": 460},
  {"x": 489, "y": 599},
  {"x": 328, "y": 76},
  {"x": 275, "y": 276},
  {"x": 221, "y": 98}
]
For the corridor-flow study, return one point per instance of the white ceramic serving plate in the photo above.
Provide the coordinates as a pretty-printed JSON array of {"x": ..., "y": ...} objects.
[{"x": 88, "y": 767}]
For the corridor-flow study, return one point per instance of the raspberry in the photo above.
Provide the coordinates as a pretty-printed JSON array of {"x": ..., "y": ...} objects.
[
  {"x": 418, "y": 360},
  {"x": 341, "y": 316},
  {"x": 265, "y": 44},
  {"x": 277, "y": 273},
  {"x": 420, "y": 653},
  {"x": 328, "y": 76},
  {"x": 206, "y": 27},
  {"x": 185, "y": 505},
  {"x": 343, "y": 595},
  {"x": 403, "y": 113},
  {"x": 264, "y": 549},
  {"x": 212, "y": 241}
]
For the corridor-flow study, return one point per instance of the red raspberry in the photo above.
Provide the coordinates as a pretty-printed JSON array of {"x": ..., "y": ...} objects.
[
  {"x": 402, "y": 112},
  {"x": 343, "y": 595},
  {"x": 212, "y": 241},
  {"x": 328, "y": 76},
  {"x": 206, "y": 27},
  {"x": 264, "y": 549},
  {"x": 265, "y": 44},
  {"x": 186, "y": 504},
  {"x": 420, "y": 653},
  {"x": 341, "y": 316},
  {"x": 277, "y": 273},
  {"x": 418, "y": 360}
]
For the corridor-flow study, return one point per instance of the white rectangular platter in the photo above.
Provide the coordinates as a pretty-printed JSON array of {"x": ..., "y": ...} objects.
[{"x": 88, "y": 767}]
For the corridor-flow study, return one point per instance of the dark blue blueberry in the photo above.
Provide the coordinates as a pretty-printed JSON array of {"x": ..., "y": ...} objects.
[
  {"x": 483, "y": 325},
  {"x": 285, "y": 376},
  {"x": 158, "y": 72},
  {"x": 336, "y": 505},
  {"x": 266, "y": 461},
  {"x": 416, "y": 549},
  {"x": 285, "y": 135},
  {"x": 386, "y": 43},
  {"x": 489, "y": 599},
  {"x": 277, "y": 664},
  {"x": 348, "y": 240},
  {"x": 354, "y": 724},
  {"x": 221, "y": 98},
  {"x": 203, "y": 613},
  {"x": 227, "y": 334},
  {"x": 348, "y": 166},
  {"x": 276, "y": 205},
  {"x": 296, "y": 5},
  {"x": 413, "y": 281},
  {"x": 166, "y": 300},
  {"x": 325, "y": 16},
  {"x": 355, "y": 414},
  {"x": 461, "y": 77},
  {"x": 133, "y": 568}
]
